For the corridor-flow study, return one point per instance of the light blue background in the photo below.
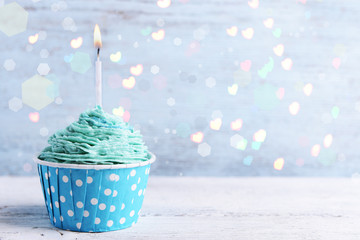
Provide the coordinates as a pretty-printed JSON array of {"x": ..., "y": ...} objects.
[{"x": 313, "y": 35}]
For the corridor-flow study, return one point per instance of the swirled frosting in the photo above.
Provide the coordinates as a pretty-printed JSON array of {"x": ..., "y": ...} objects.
[{"x": 96, "y": 138}]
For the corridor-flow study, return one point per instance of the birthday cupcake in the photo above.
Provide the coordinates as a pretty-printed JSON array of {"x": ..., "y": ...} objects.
[{"x": 94, "y": 174}]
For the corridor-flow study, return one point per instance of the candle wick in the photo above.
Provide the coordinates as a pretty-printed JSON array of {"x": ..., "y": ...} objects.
[{"x": 98, "y": 52}]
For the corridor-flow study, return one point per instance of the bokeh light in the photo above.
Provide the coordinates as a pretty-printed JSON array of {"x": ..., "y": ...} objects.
[
  {"x": 315, "y": 150},
  {"x": 279, "y": 50},
  {"x": 80, "y": 62},
  {"x": 136, "y": 70},
  {"x": 204, "y": 149},
  {"x": 13, "y": 19},
  {"x": 33, "y": 38},
  {"x": 259, "y": 136},
  {"x": 232, "y": 31},
  {"x": 248, "y": 33},
  {"x": 268, "y": 23},
  {"x": 34, "y": 117},
  {"x": 287, "y": 64},
  {"x": 328, "y": 139},
  {"x": 129, "y": 83},
  {"x": 163, "y": 3},
  {"x": 239, "y": 142},
  {"x": 237, "y": 124},
  {"x": 253, "y": 4},
  {"x": 159, "y": 35},
  {"x": 308, "y": 89},
  {"x": 294, "y": 108},
  {"x": 279, "y": 164},
  {"x": 76, "y": 42},
  {"x": 197, "y": 137},
  {"x": 115, "y": 57},
  {"x": 232, "y": 90},
  {"x": 248, "y": 160},
  {"x": 35, "y": 92},
  {"x": 216, "y": 124}
]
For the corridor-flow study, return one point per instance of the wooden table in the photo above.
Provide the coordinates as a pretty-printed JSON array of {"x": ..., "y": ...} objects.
[{"x": 206, "y": 208}]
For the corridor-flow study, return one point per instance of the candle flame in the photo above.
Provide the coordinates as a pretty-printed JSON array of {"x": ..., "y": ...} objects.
[{"x": 97, "y": 37}]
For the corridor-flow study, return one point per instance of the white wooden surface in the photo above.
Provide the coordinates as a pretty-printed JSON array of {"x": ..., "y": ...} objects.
[{"x": 206, "y": 208}]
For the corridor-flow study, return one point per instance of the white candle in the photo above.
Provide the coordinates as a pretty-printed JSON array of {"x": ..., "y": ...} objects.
[{"x": 98, "y": 82}]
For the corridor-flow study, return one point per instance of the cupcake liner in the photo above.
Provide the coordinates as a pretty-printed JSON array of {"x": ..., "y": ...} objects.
[{"x": 93, "y": 198}]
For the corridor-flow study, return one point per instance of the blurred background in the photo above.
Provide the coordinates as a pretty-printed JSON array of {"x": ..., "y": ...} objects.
[{"x": 217, "y": 88}]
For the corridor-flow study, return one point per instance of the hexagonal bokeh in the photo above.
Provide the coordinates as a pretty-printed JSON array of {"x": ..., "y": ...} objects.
[
  {"x": 204, "y": 149},
  {"x": 53, "y": 90},
  {"x": 80, "y": 62},
  {"x": 35, "y": 92},
  {"x": 43, "y": 69},
  {"x": 15, "y": 104},
  {"x": 13, "y": 19},
  {"x": 9, "y": 65},
  {"x": 238, "y": 142}
]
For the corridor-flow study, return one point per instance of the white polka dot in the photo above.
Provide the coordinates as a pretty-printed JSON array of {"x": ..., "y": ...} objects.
[
  {"x": 57, "y": 171},
  {"x": 89, "y": 180},
  {"x": 110, "y": 223},
  {"x": 97, "y": 220},
  {"x": 113, "y": 177},
  {"x": 117, "y": 178},
  {"x": 48, "y": 190},
  {"x": 122, "y": 206},
  {"x": 122, "y": 220},
  {"x": 140, "y": 192},
  {"x": 107, "y": 192},
  {"x": 115, "y": 193},
  {"x": 65, "y": 179},
  {"x": 128, "y": 177},
  {"x": 52, "y": 188},
  {"x": 79, "y": 204},
  {"x": 51, "y": 205},
  {"x": 49, "y": 174},
  {"x": 112, "y": 208},
  {"x": 102, "y": 206},
  {"x": 62, "y": 198},
  {"x": 78, "y": 225},
  {"x": 70, "y": 213},
  {"x": 70, "y": 192},
  {"x": 54, "y": 220},
  {"x": 86, "y": 213},
  {"x": 133, "y": 172},
  {"x": 139, "y": 180},
  {"x": 79, "y": 183},
  {"x": 133, "y": 187},
  {"x": 46, "y": 176},
  {"x": 132, "y": 213},
  {"x": 144, "y": 192},
  {"x": 94, "y": 201},
  {"x": 132, "y": 201},
  {"x": 61, "y": 218},
  {"x": 57, "y": 204}
]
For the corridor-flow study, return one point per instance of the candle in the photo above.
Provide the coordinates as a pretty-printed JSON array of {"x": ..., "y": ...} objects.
[{"x": 98, "y": 83}]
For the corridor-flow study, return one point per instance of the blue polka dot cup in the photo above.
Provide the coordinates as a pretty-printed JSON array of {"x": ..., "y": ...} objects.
[{"x": 93, "y": 198}]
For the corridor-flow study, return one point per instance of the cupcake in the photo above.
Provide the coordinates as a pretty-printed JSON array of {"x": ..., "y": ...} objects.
[{"x": 94, "y": 174}]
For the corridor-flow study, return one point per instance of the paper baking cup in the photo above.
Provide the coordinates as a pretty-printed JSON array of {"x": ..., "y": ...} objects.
[{"x": 93, "y": 198}]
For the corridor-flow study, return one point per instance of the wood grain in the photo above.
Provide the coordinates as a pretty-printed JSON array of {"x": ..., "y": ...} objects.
[{"x": 206, "y": 208}]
